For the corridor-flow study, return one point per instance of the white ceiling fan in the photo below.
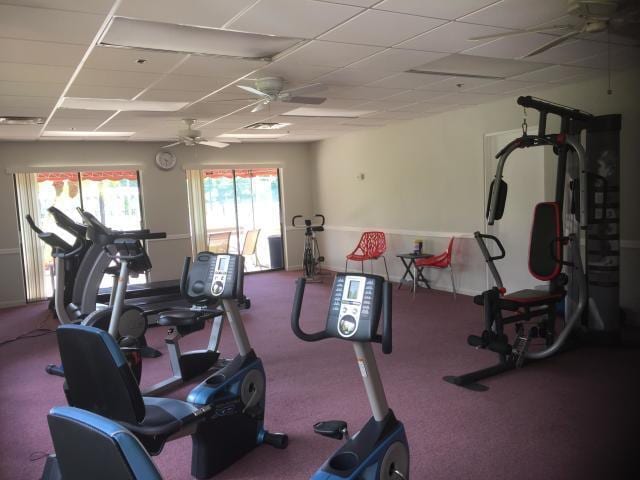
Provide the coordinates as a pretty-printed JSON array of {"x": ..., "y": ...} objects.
[
  {"x": 615, "y": 16},
  {"x": 191, "y": 137},
  {"x": 270, "y": 89}
]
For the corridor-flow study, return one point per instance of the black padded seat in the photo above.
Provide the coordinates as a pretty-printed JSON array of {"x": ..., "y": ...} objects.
[
  {"x": 525, "y": 298},
  {"x": 101, "y": 381},
  {"x": 186, "y": 318}
]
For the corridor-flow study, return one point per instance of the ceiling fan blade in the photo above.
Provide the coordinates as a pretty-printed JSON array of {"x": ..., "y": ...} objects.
[
  {"x": 553, "y": 43},
  {"x": 252, "y": 90},
  {"x": 307, "y": 100},
  {"x": 521, "y": 32},
  {"x": 260, "y": 106},
  {"x": 213, "y": 144},
  {"x": 314, "y": 87},
  {"x": 172, "y": 145}
]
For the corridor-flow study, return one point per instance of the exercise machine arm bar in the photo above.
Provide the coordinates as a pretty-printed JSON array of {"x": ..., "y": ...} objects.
[
  {"x": 577, "y": 314},
  {"x": 489, "y": 258},
  {"x": 295, "y": 316},
  {"x": 544, "y": 106}
]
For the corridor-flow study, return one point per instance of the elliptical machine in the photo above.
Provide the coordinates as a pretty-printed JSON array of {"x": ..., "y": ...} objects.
[{"x": 379, "y": 451}]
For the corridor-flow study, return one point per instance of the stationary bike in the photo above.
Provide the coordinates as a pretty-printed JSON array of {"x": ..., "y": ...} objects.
[
  {"x": 379, "y": 451},
  {"x": 311, "y": 258}
]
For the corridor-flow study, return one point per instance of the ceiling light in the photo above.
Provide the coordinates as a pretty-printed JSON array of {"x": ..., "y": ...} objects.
[
  {"x": 326, "y": 112},
  {"x": 267, "y": 126},
  {"x": 21, "y": 120},
  {"x": 120, "y": 104},
  {"x": 78, "y": 133},
  {"x": 169, "y": 37},
  {"x": 249, "y": 136}
]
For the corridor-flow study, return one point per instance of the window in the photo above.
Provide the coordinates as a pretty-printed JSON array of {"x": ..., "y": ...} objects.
[
  {"x": 241, "y": 213},
  {"x": 112, "y": 196}
]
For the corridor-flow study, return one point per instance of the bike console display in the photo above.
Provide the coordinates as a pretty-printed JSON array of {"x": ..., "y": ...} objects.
[
  {"x": 214, "y": 276},
  {"x": 356, "y": 301}
]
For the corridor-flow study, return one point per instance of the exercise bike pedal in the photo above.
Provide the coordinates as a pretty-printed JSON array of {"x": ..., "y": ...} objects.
[
  {"x": 277, "y": 440},
  {"x": 332, "y": 428}
]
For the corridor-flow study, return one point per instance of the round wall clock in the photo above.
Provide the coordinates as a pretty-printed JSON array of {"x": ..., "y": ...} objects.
[{"x": 165, "y": 160}]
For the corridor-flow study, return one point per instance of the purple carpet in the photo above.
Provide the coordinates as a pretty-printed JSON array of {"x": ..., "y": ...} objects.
[{"x": 574, "y": 416}]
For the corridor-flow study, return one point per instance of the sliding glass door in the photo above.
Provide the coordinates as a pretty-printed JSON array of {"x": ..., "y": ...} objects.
[
  {"x": 112, "y": 196},
  {"x": 242, "y": 210}
]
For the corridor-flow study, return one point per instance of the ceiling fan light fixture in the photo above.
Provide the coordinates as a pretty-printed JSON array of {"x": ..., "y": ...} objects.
[{"x": 169, "y": 37}]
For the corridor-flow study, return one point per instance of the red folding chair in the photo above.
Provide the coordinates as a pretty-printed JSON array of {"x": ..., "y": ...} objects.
[
  {"x": 441, "y": 261},
  {"x": 371, "y": 246}
]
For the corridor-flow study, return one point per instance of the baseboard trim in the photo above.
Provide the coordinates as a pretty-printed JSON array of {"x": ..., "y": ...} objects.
[
  {"x": 12, "y": 303},
  {"x": 396, "y": 279}
]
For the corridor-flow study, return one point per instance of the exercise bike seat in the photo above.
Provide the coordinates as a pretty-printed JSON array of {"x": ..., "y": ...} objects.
[{"x": 186, "y": 318}]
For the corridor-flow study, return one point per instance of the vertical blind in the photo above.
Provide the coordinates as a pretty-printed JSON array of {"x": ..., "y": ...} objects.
[
  {"x": 196, "y": 211},
  {"x": 27, "y": 194}
]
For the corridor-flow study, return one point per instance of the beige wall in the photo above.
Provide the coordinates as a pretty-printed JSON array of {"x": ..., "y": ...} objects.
[
  {"x": 165, "y": 206},
  {"x": 424, "y": 178}
]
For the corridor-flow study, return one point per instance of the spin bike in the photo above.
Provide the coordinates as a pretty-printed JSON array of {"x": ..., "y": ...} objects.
[
  {"x": 311, "y": 258},
  {"x": 379, "y": 451}
]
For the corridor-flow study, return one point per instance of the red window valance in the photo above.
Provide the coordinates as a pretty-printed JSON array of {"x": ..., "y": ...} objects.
[
  {"x": 113, "y": 175},
  {"x": 243, "y": 173}
]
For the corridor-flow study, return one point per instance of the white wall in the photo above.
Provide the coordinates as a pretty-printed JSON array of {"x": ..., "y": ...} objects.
[
  {"x": 424, "y": 178},
  {"x": 165, "y": 206}
]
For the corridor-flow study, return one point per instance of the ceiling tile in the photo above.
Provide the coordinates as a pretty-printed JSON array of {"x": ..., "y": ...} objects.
[
  {"x": 98, "y": 91},
  {"x": 293, "y": 71},
  {"x": 456, "y": 84},
  {"x": 381, "y": 105},
  {"x": 475, "y": 65},
  {"x": 331, "y": 54},
  {"x": 515, "y": 46},
  {"x": 406, "y": 80},
  {"x": 396, "y": 60},
  {"x": 518, "y": 13},
  {"x": 622, "y": 57},
  {"x": 435, "y": 8},
  {"x": 466, "y": 98},
  {"x": 125, "y": 59},
  {"x": 352, "y": 76},
  {"x": 80, "y": 124},
  {"x": 395, "y": 115},
  {"x": 364, "y": 93},
  {"x": 412, "y": 96},
  {"x": 503, "y": 86},
  {"x": 88, "y": 6},
  {"x": 113, "y": 78},
  {"x": 17, "y": 101},
  {"x": 451, "y": 37},
  {"x": 48, "y": 25},
  {"x": 22, "y": 72},
  {"x": 192, "y": 83},
  {"x": 374, "y": 27},
  {"x": 31, "y": 89},
  {"x": 570, "y": 51},
  {"x": 162, "y": 95},
  {"x": 358, "y": 3},
  {"x": 218, "y": 66},
  {"x": 41, "y": 53},
  {"x": 293, "y": 18},
  {"x": 204, "y": 13},
  {"x": 19, "y": 132},
  {"x": 555, "y": 74}
]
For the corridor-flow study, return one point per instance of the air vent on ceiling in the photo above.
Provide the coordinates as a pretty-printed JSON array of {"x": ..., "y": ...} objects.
[
  {"x": 267, "y": 126},
  {"x": 21, "y": 120}
]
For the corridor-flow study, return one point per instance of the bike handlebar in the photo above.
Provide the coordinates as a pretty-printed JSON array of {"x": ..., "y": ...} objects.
[{"x": 295, "y": 316}]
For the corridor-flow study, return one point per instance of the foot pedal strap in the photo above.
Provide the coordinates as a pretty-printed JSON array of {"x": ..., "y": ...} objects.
[{"x": 520, "y": 347}]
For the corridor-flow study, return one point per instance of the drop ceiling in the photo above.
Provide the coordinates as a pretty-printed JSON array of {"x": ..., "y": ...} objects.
[{"x": 359, "y": 49}]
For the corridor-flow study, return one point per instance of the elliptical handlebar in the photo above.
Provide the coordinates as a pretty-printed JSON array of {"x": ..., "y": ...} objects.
[
  {"x": 295, "y": 316},
  {"x": 491, "y": 258},
  {"x": 67, "y": 223}
]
